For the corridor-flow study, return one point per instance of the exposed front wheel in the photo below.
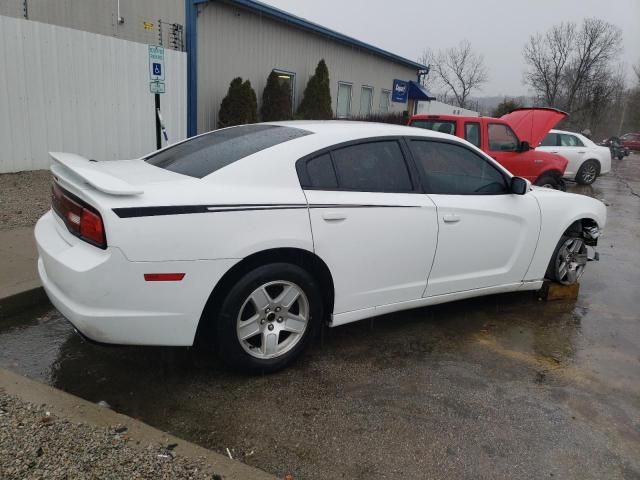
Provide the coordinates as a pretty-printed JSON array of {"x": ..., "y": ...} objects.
[
  {"x": 551, "y": 181},
  {"x": 587, "y": 173},
  {"x": 568, "y": 261},
  {"x": 268, "y": 318}
]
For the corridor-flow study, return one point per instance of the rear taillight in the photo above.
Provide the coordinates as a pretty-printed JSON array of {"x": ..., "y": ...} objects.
[{"x": 81, "y": 219}]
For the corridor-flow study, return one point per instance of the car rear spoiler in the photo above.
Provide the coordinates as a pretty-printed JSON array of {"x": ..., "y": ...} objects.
[{"x": 90, "y": 172}]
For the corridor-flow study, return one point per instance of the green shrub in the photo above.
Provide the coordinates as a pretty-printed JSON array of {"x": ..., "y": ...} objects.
[
  {"x": 276, "y": 100},
  {"x": 239, "y": 106},
  {"x": 316, "y": 102},
  {"x": 504, "y": 107}
]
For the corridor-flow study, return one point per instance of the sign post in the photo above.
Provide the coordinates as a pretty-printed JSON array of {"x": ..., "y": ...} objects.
[{"x": 157, "y": 85}]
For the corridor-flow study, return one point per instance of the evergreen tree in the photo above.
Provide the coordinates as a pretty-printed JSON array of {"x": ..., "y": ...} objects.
[
  {"x": 239, "y": 106},
  {"x": 316, "y": 102},
  {"x": 276, "y": 100}
]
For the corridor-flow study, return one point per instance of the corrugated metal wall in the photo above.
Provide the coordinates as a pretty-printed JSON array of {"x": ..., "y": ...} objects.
[
  {"x": 101, "y": 16},
  {"x": 234, "y": 42},
  {"x": 69, "y": 90}
]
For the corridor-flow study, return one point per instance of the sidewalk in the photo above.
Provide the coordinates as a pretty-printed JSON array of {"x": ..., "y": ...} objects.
[{"x": 19, "y": 282}]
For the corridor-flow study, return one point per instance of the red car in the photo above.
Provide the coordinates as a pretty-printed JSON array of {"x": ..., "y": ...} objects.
[
  {"x": 510, "y": 139},
  {"x": 631, "y": 141}
]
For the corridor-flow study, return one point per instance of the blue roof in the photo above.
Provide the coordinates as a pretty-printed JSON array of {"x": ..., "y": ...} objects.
[{"x": 286, "y": 17}]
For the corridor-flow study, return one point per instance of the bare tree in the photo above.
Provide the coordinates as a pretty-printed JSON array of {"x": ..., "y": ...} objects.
[
  {"x": 565, "y": 62},
  {"x": 457, "y": 70},
  {"x": 574, "y": 68},
  {"x": 547, "y": 57}
]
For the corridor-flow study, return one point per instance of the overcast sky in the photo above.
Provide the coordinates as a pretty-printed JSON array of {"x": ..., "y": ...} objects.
[{"x": 496, "y": 28}]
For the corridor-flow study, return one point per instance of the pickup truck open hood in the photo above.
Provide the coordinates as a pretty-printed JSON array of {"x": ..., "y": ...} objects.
[{"x": 532, "y": 124}]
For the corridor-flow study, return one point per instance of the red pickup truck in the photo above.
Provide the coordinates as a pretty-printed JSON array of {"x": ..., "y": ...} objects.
[{"x": 510, "y": 139}]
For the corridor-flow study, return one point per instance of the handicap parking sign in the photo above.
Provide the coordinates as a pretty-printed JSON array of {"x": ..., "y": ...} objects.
[{"x": 156, "y": 62}]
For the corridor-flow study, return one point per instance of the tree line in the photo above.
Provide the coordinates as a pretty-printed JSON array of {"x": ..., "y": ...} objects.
[
  {"x": 574, "y": 67},
  {"x": 240, "y": 106}
]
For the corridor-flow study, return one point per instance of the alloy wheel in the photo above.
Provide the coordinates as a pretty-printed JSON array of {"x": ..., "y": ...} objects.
[
  {"x": 570, "y": 261},
  {"x": 273, "y": 319}
]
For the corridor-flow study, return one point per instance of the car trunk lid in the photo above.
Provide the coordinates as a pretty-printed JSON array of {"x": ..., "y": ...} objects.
[
  {"x": 532, "y": 124},
  {"x": 119, "y": 178}
]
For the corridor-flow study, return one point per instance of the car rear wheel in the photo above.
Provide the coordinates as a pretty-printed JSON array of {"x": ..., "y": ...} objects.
[
  {"x": 587, "y": 173},
  {"x": 548, "y": 180},
  {"x": 568, "y": 261},
  {"x": 268, "y": 317}
]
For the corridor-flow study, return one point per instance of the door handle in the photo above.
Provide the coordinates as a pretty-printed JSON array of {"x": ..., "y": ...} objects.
[
  {"x": 451, "y": 218},
  {"x": 334, "y": 216},
  {"x": 554, "y": 151},
  {"x": 582, "y": 152}
]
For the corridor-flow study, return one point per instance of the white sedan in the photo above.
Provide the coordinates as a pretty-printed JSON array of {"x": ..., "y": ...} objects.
[
  {"x": 247, "y": 238},
  {"x": 587, "y": 161}
]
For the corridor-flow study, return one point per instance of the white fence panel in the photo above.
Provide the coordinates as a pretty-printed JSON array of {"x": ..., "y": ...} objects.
[{"x": 69, "y": 90}]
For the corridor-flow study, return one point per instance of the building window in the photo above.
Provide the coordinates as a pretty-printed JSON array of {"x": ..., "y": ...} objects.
[
  {"x": 288, "y": 79},
  {"x": 366, "y": 99},
  {"x": 385, "y": 100},
  {"x": 344, "y": 100}
]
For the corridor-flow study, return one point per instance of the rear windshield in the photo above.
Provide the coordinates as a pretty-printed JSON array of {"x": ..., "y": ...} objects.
[
  {"x": 442, "y": 126},
  {"x": 207, "y": 153}
]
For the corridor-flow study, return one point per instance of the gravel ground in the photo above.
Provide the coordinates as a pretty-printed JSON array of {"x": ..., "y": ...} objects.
[
  {"x": 35, "y": 444},
  {"x": 24, "y": 197}
]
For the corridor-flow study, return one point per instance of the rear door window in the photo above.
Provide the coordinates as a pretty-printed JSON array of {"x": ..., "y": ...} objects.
[
  {"x": 372, "y": 167},
  {"x": 472, "y": 133},
  {"x": 203, "y": 155},
  {"x": 570, "y": 141},
  {"x": 442, "y": 126},
  {"x": 321, "y": 173}
]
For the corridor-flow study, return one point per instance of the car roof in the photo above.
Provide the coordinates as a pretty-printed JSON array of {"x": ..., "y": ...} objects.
[
  {"x": 357, "y": 129},
  {"x": 435, "y": 116}
]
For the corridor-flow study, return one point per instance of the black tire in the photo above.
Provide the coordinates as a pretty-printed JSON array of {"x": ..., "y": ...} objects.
[
  {"x": 620, "y": 156},
  {"x": 588, "y": 172},
  {"x": 228, "y": 344},
  {"x": 551, "y": 181},
  {"x": 553, "y": 270}
]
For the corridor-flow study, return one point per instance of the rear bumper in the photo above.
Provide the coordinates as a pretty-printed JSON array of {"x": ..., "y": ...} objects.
[{"x": 106, "y": 298}]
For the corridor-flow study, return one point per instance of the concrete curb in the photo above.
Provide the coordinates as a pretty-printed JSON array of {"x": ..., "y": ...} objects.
[
  {"x": 20, "y": 301},
  {"x": 76, "y": 409}
]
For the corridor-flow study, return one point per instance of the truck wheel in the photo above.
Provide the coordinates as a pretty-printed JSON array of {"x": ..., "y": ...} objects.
[
  {"x": 588, "y": 172},
  {"x": 551, "y": 181}
]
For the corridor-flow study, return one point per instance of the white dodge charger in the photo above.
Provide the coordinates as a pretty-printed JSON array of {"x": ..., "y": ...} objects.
[{"x": 247, "y": 238}]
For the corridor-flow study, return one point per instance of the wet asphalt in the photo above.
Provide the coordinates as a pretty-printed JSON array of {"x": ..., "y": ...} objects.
[{"x": 506, "y": 386}]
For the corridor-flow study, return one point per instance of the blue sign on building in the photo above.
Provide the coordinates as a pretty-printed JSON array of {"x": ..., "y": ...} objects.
[{"x": 400, "y": 91}]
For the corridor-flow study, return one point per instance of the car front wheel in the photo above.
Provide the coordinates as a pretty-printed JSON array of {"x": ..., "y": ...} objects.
[
  {"x": 568, "y": 261},
  {"x": 268, "y": 318}
]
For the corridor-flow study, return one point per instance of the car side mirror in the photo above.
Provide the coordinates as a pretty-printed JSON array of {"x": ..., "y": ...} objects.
[
  {"x": 524, "y": 146},
  {"x": 519, "y": 185}
]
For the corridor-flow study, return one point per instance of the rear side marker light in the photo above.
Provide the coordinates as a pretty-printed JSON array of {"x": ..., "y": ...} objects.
[{"x": 163, "y": 277}]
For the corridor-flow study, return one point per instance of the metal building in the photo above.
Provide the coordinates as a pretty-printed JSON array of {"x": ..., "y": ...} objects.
[
  {"x": 249, "y": 39},
  {"x": 157, "y": 22}
]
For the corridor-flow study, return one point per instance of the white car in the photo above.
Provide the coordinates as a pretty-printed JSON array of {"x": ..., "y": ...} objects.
[
  {"x": 247, "y": 238},
  {"x": 587, "y": 161}
]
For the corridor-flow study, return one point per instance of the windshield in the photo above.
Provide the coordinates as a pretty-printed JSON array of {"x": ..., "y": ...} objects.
[{"x": 203, "y": 155}]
